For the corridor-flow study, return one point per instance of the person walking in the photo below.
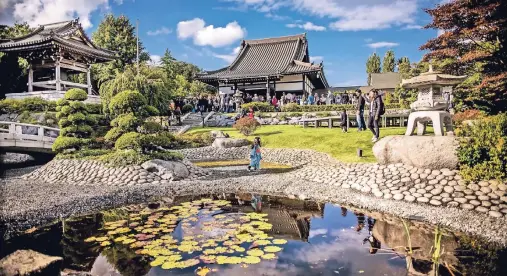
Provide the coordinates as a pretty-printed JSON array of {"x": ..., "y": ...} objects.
[
  {"x": 344, "y": 120},
  {"x": 177, "y": 113},
  {"x": 274, "y": 102},
  {"x": 311, "y": 99},
  {"x": 361, "y": 125},
  {"x": 255, "y": 155},
  {"x": 376, "y": 110}
]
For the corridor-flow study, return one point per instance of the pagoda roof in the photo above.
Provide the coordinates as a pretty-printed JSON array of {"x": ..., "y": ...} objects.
[
  {"x": 268, "y": 58},
  {"x": 67, "y": 35}
]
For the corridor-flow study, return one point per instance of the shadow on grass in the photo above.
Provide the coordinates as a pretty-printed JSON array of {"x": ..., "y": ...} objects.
[{"x": 269, "y": 133}]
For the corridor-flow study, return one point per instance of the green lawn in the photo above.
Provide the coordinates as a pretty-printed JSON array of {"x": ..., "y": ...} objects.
[{"x": 342, "y": 146}]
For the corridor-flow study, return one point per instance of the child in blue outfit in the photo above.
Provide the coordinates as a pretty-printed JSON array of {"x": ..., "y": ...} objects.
[{"x": 255, "y": 155}]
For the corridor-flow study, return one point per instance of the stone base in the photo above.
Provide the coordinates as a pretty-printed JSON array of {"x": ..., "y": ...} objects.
[
  {"x": 431, "y": 152},
  {"x": 51, "y": 95},
  {"x": 420, "y": 119}
]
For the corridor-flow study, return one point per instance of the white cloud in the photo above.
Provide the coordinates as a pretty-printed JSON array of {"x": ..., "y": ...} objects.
[
  {"x": 413, "y": 27},
  {"x": 155, "y": 60},
  {"x": 229, "y": 58},
  {"x": 161, "y": 31},
  {"x": 203, "y": 35},
  {"x": 316, "y": 59},
  {"x": 277, "y": 17},
  {"x": 309, "y": 26},
  {"x": 382, "y": 44},
  {"x": 37, "y": 12}
]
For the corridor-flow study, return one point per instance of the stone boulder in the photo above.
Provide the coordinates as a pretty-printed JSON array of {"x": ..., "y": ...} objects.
[
  {"x": 218, "y": 134},
  {"x": 429, "y": 152},
  {"x": 167, "y": 169},
  {"x": 29, "y": 262},
  {"x": 226, "y": 143}
]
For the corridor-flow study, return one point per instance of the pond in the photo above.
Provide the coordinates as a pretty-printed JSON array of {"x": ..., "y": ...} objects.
[{"x": 245, "y": 234}]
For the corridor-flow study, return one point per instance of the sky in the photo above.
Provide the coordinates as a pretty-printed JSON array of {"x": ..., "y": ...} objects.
[{"x": 208, "y": 33}]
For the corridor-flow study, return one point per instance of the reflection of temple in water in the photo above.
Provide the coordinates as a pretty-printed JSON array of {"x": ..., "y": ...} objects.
[{"x": 290, "y": 217}]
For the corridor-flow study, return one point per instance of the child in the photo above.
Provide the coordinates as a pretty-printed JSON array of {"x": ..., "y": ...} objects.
[
  {"x": 255, "y": 155},
  {"x": 343, "y": 124}
]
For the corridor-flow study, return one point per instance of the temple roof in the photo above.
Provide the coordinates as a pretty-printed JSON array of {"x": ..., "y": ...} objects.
[
  {"x": 268, "y": 58},
  {"x": 388, "y": 80},
  {"x": 66, "y": 35}
]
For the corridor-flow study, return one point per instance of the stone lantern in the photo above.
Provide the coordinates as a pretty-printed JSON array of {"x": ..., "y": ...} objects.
[
  {"x": 431, "y": 104},
  {"x": 238, "y": 99}
]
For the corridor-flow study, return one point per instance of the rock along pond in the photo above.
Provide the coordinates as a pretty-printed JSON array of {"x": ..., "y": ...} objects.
[{"x": 245, "y": 234}]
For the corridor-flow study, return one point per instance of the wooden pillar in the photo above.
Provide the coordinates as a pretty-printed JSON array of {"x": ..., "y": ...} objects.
[
  {"x": 30, "y": 78},
  {"x": 58, "y": 76},
  {"x": 267, "y": 89},
  {"x": 89, "y": 79}
]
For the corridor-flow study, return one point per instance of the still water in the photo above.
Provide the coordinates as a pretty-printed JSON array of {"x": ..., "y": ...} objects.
[{"x": 245, "y": 234}]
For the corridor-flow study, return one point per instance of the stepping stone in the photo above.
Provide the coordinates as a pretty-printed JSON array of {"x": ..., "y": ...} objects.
[
  {"x": 467, "y": 206},
  {"x": 495, "y": 214},
  {"x": 481, "y": 209},
  {"x": 435, "y": 202},
  {"x": 423, "y": 199},
  {"x": 409, "y": 198}
]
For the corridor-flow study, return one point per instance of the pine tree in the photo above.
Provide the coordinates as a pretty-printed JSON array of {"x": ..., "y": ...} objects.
[
  {"x": 404, "y": 67},
  {"x": 389, "y": 63},
  {"x": 372, "y": 66}
]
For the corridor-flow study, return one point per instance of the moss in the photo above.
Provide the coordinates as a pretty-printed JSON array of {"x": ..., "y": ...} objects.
[{"x": 76, "y": 94}]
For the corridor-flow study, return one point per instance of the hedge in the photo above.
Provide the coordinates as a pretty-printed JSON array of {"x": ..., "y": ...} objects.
[
  {"x": 129, "y": 140},
  {"x": 258, "y": 106},
  {"x": 36, "y": 104},
  {"x": 292, "y": 107},
  {"x": 76, "y": 94}
]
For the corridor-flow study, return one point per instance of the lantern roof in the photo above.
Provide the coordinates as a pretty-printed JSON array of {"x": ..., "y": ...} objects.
[{"x": 432, "y": 78}]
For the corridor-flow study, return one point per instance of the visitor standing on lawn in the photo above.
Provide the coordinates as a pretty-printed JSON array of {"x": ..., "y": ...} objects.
[
  {"x": 255, "y": 155},
  {"x": 361, "y": 125},
  {"x": 376, "y": 110}
]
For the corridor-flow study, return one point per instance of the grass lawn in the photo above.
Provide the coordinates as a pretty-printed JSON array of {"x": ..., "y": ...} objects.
[{"x": 342, "y": 146}]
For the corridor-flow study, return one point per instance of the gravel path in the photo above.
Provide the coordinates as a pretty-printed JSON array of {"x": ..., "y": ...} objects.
[{"x": 28, "y": 204}]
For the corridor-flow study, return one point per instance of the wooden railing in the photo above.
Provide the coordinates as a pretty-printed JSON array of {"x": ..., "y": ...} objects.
[{"x": 27, "y": 136}]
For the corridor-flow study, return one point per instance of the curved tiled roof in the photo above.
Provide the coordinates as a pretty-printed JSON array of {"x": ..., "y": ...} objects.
[
  {"x": 57, "y": 34},
  {"x": 270, "y": 57}
]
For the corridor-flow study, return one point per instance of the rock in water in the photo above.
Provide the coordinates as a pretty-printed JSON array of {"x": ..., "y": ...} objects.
[
  {"x": 225, "y": 143},
  {"x": 29, "y": 262},
  {"x": 432, "y": 152},
  {"x": 167, "y": 169}
]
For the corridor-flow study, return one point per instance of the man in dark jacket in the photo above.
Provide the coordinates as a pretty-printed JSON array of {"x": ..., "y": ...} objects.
[
  {"x": 361, "y": 124},
  {"x": 375, "y": 112}
]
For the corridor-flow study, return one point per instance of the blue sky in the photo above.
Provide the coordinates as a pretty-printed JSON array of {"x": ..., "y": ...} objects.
[{"x": 342, "y": 33}]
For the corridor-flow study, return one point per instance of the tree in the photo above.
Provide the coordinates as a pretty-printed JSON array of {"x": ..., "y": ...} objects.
[
  {"x": 475, "y": 33},
  {"x": 372, "y": 66},
  {"x": 389, "y": 63},
  {"x": 182, "y": 86},
  {"x": 13, "y": 68},
  {"x": 404, "y": 67},
  {"x": 118, "y": 34}
]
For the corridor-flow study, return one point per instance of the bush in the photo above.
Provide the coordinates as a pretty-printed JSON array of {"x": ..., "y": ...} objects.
[
  {"x": 153, "y": 142},
  {"x": 470, "y": 114},
  {"x": 126, "y": 122},
  {"x": 259, "y": 106},
  {"x": 66, "y": 143},
  {"x": 150, "y": 128},
  {"x": 121, "y": 158},
  {"x": 151, "y": 111},
  {"x": 482, "y": 151},
  {"x": 167, "y": 155},
  {"x": 83, "y": 154},
  {"x": 34, "y": 104},
  {"x": 76, "y": 94},
  {"x": 129, "y": 140},
  {"x": 195, "y": 140},
  {"x": 76, "y": 118},
  {"x": 127, "y": 102},
  {"x": 93, "y": 108},
  {"x": 293, "y": 107},
  {"x": 113, "y": 134},
  {"x": 246, "y": 126},
  {"x": 187, "y": 108},
  {"x": 80, "y": 130}
]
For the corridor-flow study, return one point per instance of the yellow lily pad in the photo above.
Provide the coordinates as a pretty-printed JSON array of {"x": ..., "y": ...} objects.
[
  {"x": 279, "y": 241},
  {"x": 272, "y": 249},
  {"x": 255, "y": 252}
]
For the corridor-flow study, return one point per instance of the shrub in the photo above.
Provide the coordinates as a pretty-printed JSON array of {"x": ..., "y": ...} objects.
[
  {"x": 113, "y": 134},
  {"x": 129, "y": 140},
  {"x": 259, "y": 106},
  {"x": 246, "y": 126},
  {"x": 63, "y": 143},
  {"x": 167, "y": 155},
  {"x": 80, "y": 130},
  {"x": 127, "y": 102},
  {"x": 93, "y": 108},
  {"x": 150, "y": 128},
  {"x": 482, "y": 151},
  {"x": 126, "y": 122},
  {"x": 470, "y": 114},
  {"x": 34, "y": 104},
  {"x": 187, "y": 108},
  {"x": 293, "y": 107},
  {"x": 121, "y": 158},
  {"x": 194, "y": 140},
  {"x": 295, "y": 114},
  {"x": 154, "y": 142},
  {"x": 76, "y": 118},
  {"x": 83, "y": 154},
  {"x": 151, "y": 111},
  {"x": 76, "y": 94}
]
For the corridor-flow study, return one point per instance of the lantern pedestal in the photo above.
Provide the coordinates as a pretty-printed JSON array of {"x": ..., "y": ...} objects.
[{"x": 419, "y": 119}]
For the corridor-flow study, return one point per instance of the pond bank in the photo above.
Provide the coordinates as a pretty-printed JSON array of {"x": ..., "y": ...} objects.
[{"x": 395, "y": 189}]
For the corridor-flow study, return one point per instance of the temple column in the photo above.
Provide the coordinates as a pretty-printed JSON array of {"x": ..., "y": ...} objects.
[
  {"x": 267, "y": 88},
  {"x": 30, "y": 78},
  {"x": 89, "y": 79},
  {"x": 58, "y": 76}
]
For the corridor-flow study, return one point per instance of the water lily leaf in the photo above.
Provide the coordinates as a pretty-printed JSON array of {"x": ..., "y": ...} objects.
[
  {"x": 105, "y": 243},
  {"x": 262, "y": 242},
  {"x": 202, "y": 271},
  {"x": 120, "y": 239},
  {"x": 269, "y": 256},
  {"x": 101, "y": 239},
  {"x": 279, "y": 241},
  {"x": 90, "y": 239},
  {"x": 272, "y": 249},
  {"x": 158, "y": 261},
  {"x": 251, "y": 260},
  {"x": 255, "y": 252}
]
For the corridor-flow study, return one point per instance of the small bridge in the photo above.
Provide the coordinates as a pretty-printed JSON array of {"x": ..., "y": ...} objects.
[{"x": 25, "y": 138}]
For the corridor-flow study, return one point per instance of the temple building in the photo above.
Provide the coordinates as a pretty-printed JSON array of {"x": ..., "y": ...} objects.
[
  {"x": 270, "y": 67},
  {"x": 54, "y": 52}
]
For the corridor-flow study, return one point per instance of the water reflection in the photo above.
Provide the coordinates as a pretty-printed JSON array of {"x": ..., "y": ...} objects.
[{"x": 324, "y": 239}]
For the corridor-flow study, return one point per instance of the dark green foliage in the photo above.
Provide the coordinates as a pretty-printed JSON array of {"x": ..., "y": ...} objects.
[
  {"x": 126, "y": 122},
  {"x": 259, "y": 106},
  {"x": 80, "y": 130},
  {"x": 121, "y": 158},
  {"x": 76, "y": 94},
  {"x": 150, "y": 127},
  {"x": 151, "y": 110},
  {"x": 83, "y": 154},
  {"x": 113, "y": 134},
  {"x": 194, "y": 140},
  {"x": 63, "y": 143},
  {"x": 127, "y": 102},
  {"x": 187, "y": 108},
  {"x": 34, "y": 104},
  {"x": 167, "y": 155},
  {"x": 153, "y": 142},
  {"x": 483, "y": 149},
  {"x": 76, "y": 118},
  {"x": 130, "y": 140},
  {"x": 94, "y": 108}
]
